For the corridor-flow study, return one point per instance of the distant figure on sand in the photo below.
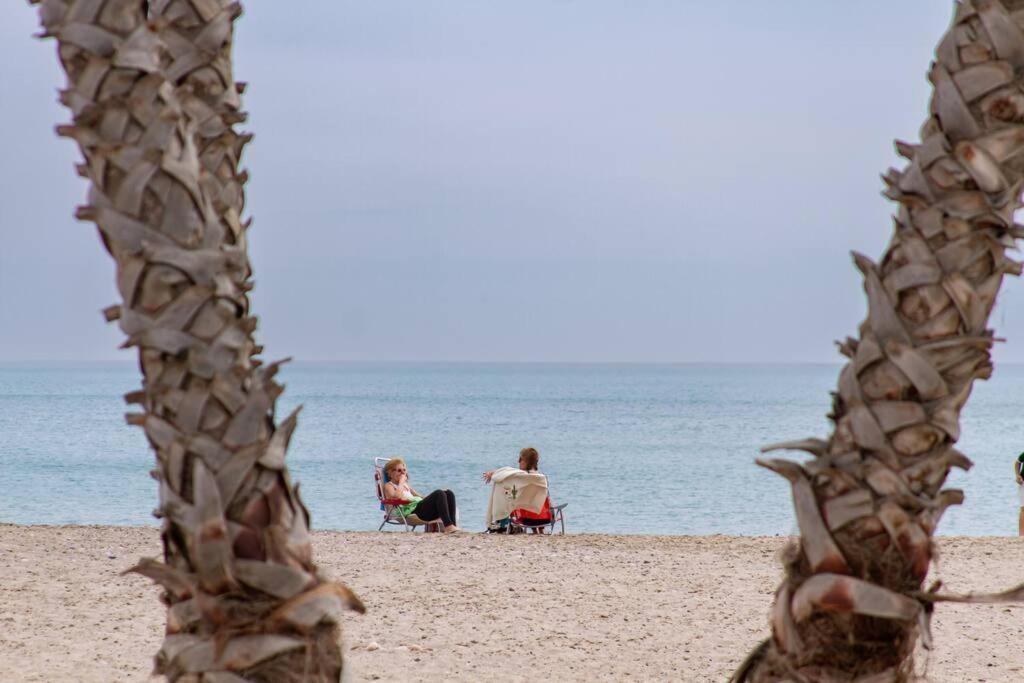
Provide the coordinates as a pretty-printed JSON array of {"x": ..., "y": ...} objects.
[
  {"x": 1018, "y": 473},
  {"x": 440, "y": 504},
  {"x": 528, "y": 496}
]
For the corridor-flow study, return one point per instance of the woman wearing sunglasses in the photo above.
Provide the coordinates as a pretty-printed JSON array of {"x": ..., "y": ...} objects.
[{"x": 440, "y": 504}]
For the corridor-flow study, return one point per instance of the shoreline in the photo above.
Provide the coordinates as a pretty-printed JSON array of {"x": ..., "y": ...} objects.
[
  {"x": 639, "y": 534},
  {"x": 580, "y": 607}
]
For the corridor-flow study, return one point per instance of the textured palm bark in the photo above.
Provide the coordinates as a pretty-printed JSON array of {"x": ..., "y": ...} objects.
[
  {"x": 153, "y": 103},
  {"x": 851, "y": 606},
  {"x": 198, "y": 39}
]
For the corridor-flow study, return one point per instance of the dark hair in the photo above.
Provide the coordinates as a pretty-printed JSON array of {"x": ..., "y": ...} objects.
[{"x": 531, "y": 458}]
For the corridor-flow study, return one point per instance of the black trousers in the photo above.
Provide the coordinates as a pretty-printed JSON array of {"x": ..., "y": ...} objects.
[{"x": 440, "y": 504}]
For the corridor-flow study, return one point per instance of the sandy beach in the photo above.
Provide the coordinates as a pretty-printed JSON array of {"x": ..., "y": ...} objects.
[{"x": 478, "y": 607}]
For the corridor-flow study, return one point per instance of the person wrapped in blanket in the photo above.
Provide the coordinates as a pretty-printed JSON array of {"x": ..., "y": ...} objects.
[
  {"x": 439, "y": 504},
  {"x": 529, "y": 459}
]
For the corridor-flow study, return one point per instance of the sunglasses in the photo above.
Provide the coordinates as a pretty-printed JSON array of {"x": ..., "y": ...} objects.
[{"x": 400, "y": 471}]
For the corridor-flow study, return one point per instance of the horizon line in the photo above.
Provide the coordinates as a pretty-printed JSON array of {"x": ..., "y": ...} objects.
[
  {"x": 291, "y": 360},
  {"x": 286, "y": 360},
  {"x": 405, "y": 361}
]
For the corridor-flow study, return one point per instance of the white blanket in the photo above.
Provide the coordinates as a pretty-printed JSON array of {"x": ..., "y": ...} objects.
[{"x": 512, "y": 489}]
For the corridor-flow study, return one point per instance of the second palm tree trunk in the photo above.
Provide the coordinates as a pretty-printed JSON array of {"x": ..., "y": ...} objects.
[{"x": 851, "y": 606}]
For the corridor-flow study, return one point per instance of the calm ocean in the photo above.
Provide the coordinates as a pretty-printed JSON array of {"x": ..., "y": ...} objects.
[{"x": 648, "y": 449}]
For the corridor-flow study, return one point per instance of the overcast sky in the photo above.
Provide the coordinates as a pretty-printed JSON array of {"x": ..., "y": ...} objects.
[{"x": 554, "y": 181}]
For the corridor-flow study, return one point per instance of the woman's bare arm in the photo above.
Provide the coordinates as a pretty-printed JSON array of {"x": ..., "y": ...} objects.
[{"x": 393, "y": 492}]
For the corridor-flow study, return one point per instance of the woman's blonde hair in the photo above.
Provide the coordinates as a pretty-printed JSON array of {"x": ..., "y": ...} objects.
[
  {"x": 529, "y": 457},
  {"x": 392, "y": 464}
]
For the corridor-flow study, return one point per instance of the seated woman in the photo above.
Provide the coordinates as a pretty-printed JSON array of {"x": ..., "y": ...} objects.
[
  {"x": 440, "y": 504},
  {"x": 529, "y": 459}
]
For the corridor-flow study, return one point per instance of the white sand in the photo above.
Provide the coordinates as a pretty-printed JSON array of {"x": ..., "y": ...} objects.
[{"x": 477, "y": 607}]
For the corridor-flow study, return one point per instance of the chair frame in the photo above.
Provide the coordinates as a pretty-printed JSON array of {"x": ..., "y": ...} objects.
[
  {"x": 557, "y": 517},
  {"x": 392, "y": 507}
]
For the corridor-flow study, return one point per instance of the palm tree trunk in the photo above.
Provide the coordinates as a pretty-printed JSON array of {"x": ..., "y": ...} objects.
[
  {"x": 851, "y": 605},
  {"x": 153, "y": 103},
  {"x": 198, "y": 38}
]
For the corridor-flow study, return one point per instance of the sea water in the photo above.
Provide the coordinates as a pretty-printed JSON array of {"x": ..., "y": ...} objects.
[{"x": 637, "y": 449}]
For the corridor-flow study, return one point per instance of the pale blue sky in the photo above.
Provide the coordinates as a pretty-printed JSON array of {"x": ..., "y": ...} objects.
[{"x": 562, "y": 180}]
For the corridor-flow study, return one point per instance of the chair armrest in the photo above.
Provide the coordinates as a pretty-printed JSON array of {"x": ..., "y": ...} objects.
[{"x": 559, "y": 507}]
